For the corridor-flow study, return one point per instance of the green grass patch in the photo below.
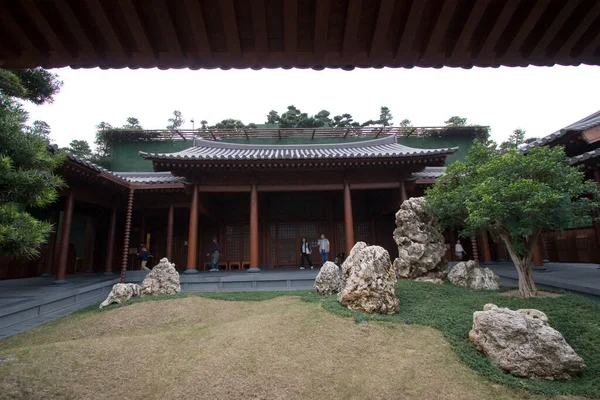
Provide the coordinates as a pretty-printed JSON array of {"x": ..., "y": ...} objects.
[{"x": 449, "y": 309}]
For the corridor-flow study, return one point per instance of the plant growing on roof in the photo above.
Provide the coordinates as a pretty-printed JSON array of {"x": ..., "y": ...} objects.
[
  {"x": 26, "y": 163},
  {"x": 515, "y": 197}
]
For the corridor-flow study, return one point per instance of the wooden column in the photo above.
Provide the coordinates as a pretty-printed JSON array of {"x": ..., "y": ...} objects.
[
  {"x": 485, "y": 246},
  {"x": 254, "y": 257},
  {"x": 49, "y": 258},
  {"x": 90, "y": 244},
  {"x": 538, "y": 258},
  {"x": 596, "y": 212},
  {"x": 474, "y": 249},
  {"x": 193, "y": 234},
  {"x": 65, "y": 237},
  {"x": 170, "y": 224},
  {"x": 403, "y": 195},
  {"x": 126, "y": 236},
  {"x": 348, "y": 220},
  {"x": 110, "y": 243}
]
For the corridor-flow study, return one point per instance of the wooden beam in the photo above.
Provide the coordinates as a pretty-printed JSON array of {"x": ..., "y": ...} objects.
[
  {"x": 84, "y": 45},
  {"x": 436, "y": 40},
  {"x": 379, "y": 133},
  {"x": 167, "y": 29},
  {"x": 19, "y": 36},
  {"x": 279, "y": 133},
  {"x": 525, "y": 29},
  {"x": 313, "y": 134},
  {"x": 232, "y": 34},
  {"x": 351, "y": 30},
  {"x": 198, "y": 25},
  {"x": 459, "y": 54},
  {"x": 290, "y": 27},
  {"x": 42, "y": 24},
  {"x": 136, "y": 28},
  {"x": 487, "y": 49},
  {"x": 384, "y": 18},
  {"x": 321, "y": 30},
  {"x": 212, "y": 134},
  {"x": 346, "y": 133},
  {"x": 551, "y": 31},
  {"x": 405, "y": 51},
  {"x": 155, "y": 186},
  {"x": 246, "y": 134},
  {"x": 259, "y": 27},
  {"x": 582, "y": 27},
  {"x": 108, "y": 32}
]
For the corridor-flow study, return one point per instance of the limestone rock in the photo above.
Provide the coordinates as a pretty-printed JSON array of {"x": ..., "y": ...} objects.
[
  {"x": 121, "y": 292},
  {"x": 427, "y": 279},
  {"x": 328, "y": 280},
  {"x": 469, "y": 275},
  {"x": 163, "y": 279},
  {"x": 421, "y": 245},
  {"x": 522, "y": 343},
  {"x": 370, "y": 281}
]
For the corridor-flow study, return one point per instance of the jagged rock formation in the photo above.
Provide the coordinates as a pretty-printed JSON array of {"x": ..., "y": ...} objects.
[
  {"x": 121, "y": 292},
  {"x": 163, "y": 279},
  {"x": 328, "y": 280},
  {"x": 522, "y": 343},
  {"x": 369, "y": 281},
  {"x": 421, "y": 245},
  {"x": 469, "y": 275}
]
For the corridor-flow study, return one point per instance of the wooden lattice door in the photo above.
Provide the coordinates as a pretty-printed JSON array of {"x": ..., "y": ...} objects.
[{"x": 286, "y": 246}]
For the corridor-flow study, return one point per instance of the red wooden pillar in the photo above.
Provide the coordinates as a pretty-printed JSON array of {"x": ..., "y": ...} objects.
[
  {"x": 403, "y": 195},
  {"x": 90, "y": 244},
  {"x": 596, "y": 214},
  {"x": 170, "y": 224},
  {"x": 538, "y": 259},
  {"x": 348, "y": 220},
  {"x": 126, "y": 236},
  {"x": 110, "y": 243},
  {"x": 64, "y": 239},
  {"x": 254, "y": 259},
  {"x": 485, "y": 246},
  {"x": 49, "y": 259},
  {"x": 475, "y": 250},
  {"x": 193, "y": 233}
]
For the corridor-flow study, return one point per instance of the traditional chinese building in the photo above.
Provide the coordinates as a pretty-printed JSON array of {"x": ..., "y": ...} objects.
[{"x": 258, "y": 191}]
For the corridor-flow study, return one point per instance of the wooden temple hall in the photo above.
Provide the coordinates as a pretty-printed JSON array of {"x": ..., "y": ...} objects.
[{"x": 259, "y": 200}]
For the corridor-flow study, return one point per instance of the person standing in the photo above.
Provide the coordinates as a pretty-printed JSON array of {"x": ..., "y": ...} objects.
[
  {"x": 324, "y": 247},
  {"x": 215, "y": 253},
  {"x": 143, "y": 256},
  {"x": 305, "y": 251},
  {"x": 459, "y": 250}
]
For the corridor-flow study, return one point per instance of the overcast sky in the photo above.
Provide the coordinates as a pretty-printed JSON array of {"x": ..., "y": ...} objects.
[{"x": 539, "y": 100}]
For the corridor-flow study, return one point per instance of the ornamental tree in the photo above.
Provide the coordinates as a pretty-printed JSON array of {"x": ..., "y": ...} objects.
[
  {"x": 515, "y": 197},
  {"x": 26, "y": 163}
]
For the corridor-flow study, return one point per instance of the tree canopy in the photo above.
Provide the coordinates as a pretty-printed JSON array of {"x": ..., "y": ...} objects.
[
  {"x": 26, "y": 162},
  {"x": 515, "y": 197},
  {"x": 80, "y": 148}
]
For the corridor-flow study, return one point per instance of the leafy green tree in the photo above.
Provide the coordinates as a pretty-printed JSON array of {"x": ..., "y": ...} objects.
[
  {"x": 80, "y": 148},
  {"x": 406, "y": 123},
  {"x": 273, "y": 117},
  {"x": 456, "y": 121},
  {"x": 231, "y": 124},
  {"x": 344, "y": 121},
  {"x": 176, "y": 121},
  {"x": 133, "y": 123},
  {"x": 385, "y": 116},
  {"x": 26, "y": 163},
  {"x": 39, "y": 128},
  {"x": 515, "y": 197}
]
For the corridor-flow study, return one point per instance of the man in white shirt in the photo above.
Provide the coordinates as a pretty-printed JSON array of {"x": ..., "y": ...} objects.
[
  {"x": 459, "y": 251},
  {"x": 324, "y": 247}
]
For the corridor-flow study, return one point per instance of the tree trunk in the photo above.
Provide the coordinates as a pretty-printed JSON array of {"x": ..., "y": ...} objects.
[{"x": 523, "y": 265}]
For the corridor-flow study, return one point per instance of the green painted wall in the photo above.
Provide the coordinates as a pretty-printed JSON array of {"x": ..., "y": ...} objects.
[
  {"x": 125, "y": 156},
  {"x": 78, "y": 232}
]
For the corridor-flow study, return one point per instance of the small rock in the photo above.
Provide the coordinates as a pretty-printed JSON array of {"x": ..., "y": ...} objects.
[
  {"x": 369, "y": 281},
  {"x": 522, "y": 343},
  {"x": 163, "y": 279},
  {"x": 328, "y": 280},
  {"x": 467, "y": 274},
  {"x": 121, "y": 292},
  {"x": 427, "y": 279}
]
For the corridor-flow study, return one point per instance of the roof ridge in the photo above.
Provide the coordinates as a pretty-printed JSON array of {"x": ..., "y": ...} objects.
[{"x": 252, "y": 146}]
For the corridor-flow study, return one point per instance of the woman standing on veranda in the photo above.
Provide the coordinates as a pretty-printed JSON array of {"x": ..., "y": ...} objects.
[
  {"x": 215, "y": 252},
  {"x": 305, "y": 251}
]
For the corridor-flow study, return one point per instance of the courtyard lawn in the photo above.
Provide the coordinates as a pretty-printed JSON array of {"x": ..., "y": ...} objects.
[{"x": 288, "y": 346}]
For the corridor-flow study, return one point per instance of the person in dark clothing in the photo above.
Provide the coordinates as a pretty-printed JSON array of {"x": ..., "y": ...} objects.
[
  {"x": 143, "y": 256},
  {"x": 215, "y": 252},
  {"x": 305, "y": 251}
]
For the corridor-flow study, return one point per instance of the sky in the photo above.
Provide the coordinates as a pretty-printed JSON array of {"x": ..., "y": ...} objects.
[{"x": 540, "y": 100}]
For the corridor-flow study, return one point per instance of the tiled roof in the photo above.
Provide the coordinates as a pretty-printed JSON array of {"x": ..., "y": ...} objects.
[
  {"x": 376, "y": 148},
  {"x": 588, "y": 155},
  {"x": 150, "y": 177},
  {"x": 588, "y": 122},
  {"x": 428, "y": 173}
]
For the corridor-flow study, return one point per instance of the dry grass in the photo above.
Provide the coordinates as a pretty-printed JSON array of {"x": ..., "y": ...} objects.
[
  {"x": 541, "y": 294},
  {"x": 197, "y": 348}
]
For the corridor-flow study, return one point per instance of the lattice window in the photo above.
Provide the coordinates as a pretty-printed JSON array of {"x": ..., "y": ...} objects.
[
  {"x": 233, "y": 249},
  {"x": 246, "y": 242},
  {"x": 362, "y": 233},
  {"x": 183, "y": 249},
  {"x": 287, "y": 251},
  {"x": 273, "y": 245}
]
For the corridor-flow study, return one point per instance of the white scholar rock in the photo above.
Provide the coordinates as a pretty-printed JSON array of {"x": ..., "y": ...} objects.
[
  {"x": 369, "y": 281},
  {"x": 421, "y": 245},
  {"x": 427, "y": 279},
  {"x": 328, "y": 280},
  {"x": 121, "y": 292},
  {"x": 163, "y": 279},
  {"x": 522, "y": 343},
  {"x": 469, "y": 275}
]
